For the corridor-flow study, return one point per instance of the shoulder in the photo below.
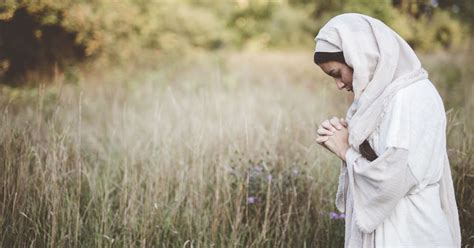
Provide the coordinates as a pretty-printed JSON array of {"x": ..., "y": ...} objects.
[
  {"x": 419, "y": 96},
  {"x": 420, "y": 103},
  {"x": 421, "y": 90}
]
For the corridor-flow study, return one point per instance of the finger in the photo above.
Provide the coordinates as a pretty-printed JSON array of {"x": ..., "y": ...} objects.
[
  {"x": 321, "y": 139},
  {"x": 331, "y": 129},
  {"x": 326, "y": 124},
  {"x": 335, "y": 122},
  {"x": 344, "y": 122},
  {"x": 323, "y": 131}
]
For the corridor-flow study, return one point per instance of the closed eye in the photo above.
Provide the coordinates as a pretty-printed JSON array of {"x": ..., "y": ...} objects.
[{"x": 335, "y": 74}]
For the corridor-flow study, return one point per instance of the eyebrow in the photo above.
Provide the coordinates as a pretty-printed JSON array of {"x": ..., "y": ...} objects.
[{"x": 332, "y": 73}]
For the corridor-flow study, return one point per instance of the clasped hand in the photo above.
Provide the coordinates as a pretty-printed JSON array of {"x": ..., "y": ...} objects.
[{"x": 333, "y": 135}]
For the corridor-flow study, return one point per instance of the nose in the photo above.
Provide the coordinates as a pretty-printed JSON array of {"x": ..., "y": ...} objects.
[{"x": 340, "y": 85}]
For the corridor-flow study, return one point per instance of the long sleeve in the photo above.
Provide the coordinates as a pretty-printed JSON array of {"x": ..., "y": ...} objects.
[
  {"x": 377, "y": 186},
  {"x": 368, "y": 153}
]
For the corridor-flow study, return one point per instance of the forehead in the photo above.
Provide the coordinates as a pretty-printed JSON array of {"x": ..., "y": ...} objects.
[{"x": 331, "y": 65}]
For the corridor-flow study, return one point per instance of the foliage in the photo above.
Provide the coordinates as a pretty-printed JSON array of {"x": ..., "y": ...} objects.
[
  {"x": 55, "y": 34},
  {"x": 271, "y": 24},
  {"x": 437, "y": 32},
  {"x": 463, "y": 8},
  {"x": 109, "y": 30},
  {"x": 423, "y": 26}
]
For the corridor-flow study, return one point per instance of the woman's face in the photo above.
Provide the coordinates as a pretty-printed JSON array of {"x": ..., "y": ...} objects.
[{"x": 341, "y": 73}]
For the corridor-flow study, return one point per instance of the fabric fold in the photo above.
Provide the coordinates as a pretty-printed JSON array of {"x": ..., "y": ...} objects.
[
  {"x": 448, "y": 202},
  {"x": 378, "y": 186}
]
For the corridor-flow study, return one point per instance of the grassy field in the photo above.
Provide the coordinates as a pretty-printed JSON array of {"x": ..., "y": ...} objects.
[{"x": 213, "y": 151}]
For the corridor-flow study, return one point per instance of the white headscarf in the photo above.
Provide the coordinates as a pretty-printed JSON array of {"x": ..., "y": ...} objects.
[{"x": 383, "y": 63}]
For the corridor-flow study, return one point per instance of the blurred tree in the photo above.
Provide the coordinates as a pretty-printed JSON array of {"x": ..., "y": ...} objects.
[
  {"x": 48, "y": 35},
  {"x": 415, "y": 8},
  {"x": 462, "y": 8},
  {"x": 31, "y": 48},
  {"x": 330, "y": 6}
]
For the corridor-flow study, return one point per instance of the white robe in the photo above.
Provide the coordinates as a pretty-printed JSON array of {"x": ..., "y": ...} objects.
[{"x": 394, "y": 201}]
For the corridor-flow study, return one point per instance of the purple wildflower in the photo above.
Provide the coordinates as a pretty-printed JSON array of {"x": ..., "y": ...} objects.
[
  {"x": 336, "y": 216},
  {"x": 258, "y": 168},
  {"x": 269, "y": 177},
  {"x": 333, "y": 215},
  {"x": 252, "y": 200}
]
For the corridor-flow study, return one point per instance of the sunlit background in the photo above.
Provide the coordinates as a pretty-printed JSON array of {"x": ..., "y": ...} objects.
[{"x": 181, "y": 123}]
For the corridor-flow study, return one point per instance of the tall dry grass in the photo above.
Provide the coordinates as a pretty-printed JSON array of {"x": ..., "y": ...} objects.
[{"x": 216, "y": 151}]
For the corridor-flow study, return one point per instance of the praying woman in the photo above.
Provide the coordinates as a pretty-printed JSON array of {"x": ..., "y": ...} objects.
[{"x": 395, "y": 184}]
